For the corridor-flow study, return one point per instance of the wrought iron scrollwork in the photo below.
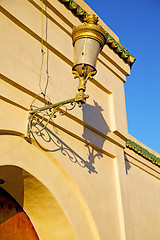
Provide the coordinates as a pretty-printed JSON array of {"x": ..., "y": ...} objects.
[{"x": 41, "y": 117}]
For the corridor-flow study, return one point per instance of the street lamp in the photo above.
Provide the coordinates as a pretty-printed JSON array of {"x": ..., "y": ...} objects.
[{"x": 88, "y": 40}]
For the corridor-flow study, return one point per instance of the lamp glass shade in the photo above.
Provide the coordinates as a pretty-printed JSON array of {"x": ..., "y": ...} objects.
[{"x": 85, "y": 54}]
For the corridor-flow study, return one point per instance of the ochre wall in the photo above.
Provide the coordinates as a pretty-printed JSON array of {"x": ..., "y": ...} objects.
[
  {"x": 143, "y": 193},
  {"x": 77, "y": 163}
]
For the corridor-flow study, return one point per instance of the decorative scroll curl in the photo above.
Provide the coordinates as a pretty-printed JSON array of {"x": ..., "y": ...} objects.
[{"x": 42, "y": 118}]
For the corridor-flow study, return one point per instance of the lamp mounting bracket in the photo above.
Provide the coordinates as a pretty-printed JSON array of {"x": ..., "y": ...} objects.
[{"x": 41, "y": 117}]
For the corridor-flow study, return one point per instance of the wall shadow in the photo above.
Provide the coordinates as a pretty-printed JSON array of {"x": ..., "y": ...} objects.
[
  {"x": 127, "y": 164},
  {"x": 92, "y": 115},
  {"x": 58, "y": 145}
]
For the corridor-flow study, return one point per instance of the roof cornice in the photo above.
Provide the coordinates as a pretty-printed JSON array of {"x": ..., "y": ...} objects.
[
  {"x": 143, "y": 152},
  {"x": 118, "y": 48}
]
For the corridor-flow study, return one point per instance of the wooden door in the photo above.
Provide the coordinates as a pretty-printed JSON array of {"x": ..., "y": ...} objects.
[{"x": 14, "y": 222}]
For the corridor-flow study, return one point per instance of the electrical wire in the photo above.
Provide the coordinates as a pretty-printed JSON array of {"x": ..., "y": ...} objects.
[
  {"x": 42, "y": 50},
  {"x": 48, "y": 100}
]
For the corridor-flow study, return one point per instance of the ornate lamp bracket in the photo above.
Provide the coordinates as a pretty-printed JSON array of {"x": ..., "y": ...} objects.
[
  {"x": 39, "y": 118},
  {"x": 88, "y": 40}
]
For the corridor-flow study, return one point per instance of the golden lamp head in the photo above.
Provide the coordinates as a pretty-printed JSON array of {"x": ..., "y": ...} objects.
[{"x": 88, "y": 40}]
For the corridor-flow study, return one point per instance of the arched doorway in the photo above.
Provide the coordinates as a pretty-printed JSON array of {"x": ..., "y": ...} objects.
[
  {"x": 28, "y": 209},
  {"x": 45, "y": 190},
  {"x": 14, "y": 222}
]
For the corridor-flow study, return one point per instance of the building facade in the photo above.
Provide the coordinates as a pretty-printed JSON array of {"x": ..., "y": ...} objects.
[{"x": 83, "y": 176}]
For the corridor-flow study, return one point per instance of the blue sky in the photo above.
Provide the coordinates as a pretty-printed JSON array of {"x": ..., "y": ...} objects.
[{"x": 137, "y": 24}]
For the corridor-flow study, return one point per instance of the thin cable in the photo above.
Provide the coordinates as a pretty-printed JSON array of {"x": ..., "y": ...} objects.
[
  {"x": 42, "y": 45},
  {"x": 47, "y": 53},
  {"x": 48, "y": 100},
  {"x": 40, "y": 77},
  {"x": 42, "y": 51}
]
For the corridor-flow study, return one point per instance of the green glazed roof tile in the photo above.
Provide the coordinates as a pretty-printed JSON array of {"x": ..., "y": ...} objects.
[
  {"x": 73, "y": 5},
  {"x": 110, "y": 41},
  {"x": 143, "y": 152},
  {"x": 80, "y": 11}
]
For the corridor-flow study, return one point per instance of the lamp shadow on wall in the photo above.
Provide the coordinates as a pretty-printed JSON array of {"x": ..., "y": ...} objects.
[
  {"x": 57, "y": 145},
  {"x": 92, "y": 115}
]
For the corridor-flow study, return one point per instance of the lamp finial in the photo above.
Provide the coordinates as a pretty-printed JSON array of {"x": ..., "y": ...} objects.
[{"x": 92, "y": 18}]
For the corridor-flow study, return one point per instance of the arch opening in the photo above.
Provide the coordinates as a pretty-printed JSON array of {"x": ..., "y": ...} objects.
[
  {"x": 45, "y": 170},
  {"x": 24, "y": 192}
]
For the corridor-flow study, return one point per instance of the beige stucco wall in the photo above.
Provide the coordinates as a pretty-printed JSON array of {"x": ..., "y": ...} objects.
[
  {"x": 77, "y": 163},
  {"x": 143, "y": 193}
]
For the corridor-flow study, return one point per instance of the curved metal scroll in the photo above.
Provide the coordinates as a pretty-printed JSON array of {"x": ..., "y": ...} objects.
[{"x": 42, "y": 118}]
